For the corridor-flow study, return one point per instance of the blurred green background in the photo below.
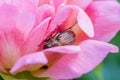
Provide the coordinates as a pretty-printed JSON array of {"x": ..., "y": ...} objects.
[{"x": 109, "y": 69}]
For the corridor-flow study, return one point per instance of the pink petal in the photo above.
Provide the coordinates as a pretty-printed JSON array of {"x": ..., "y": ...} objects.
[
  {"x": 26, "y": 5},
  {"x": 60, "y": 17},
  {"x": 57, "y": 3},
  {"x": 44, "y": 12},
  {"x": 81, "y": 3},
  {"x": 5, "y": 1},
  {"x": 73, "y": 66},
  {"x": 37, "y": 36},
  {"x": 69, "y": 15},
  {"x": 64, "y": 49},
  {"x": 8, "y": 14},
  {"x": 85, "y": 23},
  {"x": 11, "y": 39},
  {"x": 10, "y": 45},
  {"x": 105, "y": 17},
  {"x": 25, "y": 22},
  {"x": 42, "y": 2},
  {"x": 29, "y": 62}
]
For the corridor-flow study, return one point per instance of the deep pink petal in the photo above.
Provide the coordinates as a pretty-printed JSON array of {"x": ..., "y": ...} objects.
[
  {"x": 105, "y": 17},
  {"x": 72, "y": 66},
  {"x": 81, "y": 3},
  {"x": 29, "y": 62},
  {"x": 37, "y": 36}
]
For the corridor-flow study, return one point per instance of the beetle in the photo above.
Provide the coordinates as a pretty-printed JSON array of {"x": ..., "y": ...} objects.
[
  {"x": 66, "y": 37},
  {"x": 61, "y": 38}
]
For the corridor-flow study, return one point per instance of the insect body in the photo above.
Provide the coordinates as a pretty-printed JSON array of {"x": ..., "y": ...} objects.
[{"x": 60, "y": 39}]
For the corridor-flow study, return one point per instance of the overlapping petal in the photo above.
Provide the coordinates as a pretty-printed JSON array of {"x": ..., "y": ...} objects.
[
  {"x": 42, "y": 2},
  {"x": 63, "y": 49},
  {"x": 57, "y": 3},
  {"x": 72, "y": 66},
  {"x": 67, "y": 16},
  {"x": 85, "y": 23},
  {"x": 37, "y": 36},
  {"x": 36, "y": 60},
  {"x": 81, "y": 3},
  {"x": 26, "y": 24},
  {"x": 26, "y": 5},
  {"x": 44, "y": 12},
  {"x": 8, "y": 14},
  {"x": 9, "y": 43},
  {"x": 105, "y": 17},
  {"x": 29, "y": 62}
]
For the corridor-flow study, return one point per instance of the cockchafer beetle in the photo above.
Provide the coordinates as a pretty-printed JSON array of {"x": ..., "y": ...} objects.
[{"x": 61, "y": 38}]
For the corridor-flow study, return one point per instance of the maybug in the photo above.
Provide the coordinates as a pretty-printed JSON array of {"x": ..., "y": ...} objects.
[
  {"x": 60, "y": 39},
  {"x": 65, "y": 37}
]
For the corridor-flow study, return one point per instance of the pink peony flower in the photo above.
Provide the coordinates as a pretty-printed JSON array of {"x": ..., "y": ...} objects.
[{"x": 28, "y": 27}]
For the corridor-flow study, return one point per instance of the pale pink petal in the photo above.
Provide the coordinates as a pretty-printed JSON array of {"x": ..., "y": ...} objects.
[
  {"x": 25, "y": 22},
  {"x": 60, "y": 17},
  {"x": 5, "y": 1},
  {"x": 1, "y": 2},
  {"x": 85, "y": 23},
  {"x": 72, "y": 66},
  {"x": 105, "y": 16},
  {"x": 67, "y": 17},
  {"x": 29, "y": 62},
  {"x": 78, "y": 15},
  {"x": 57, "y": 3},
  {"x": 11, "y": 41},
  {"x": 44, "y": 12},
  {"x": 17, "y": 2},
  {"x": 42, "y": 2},
  {"x": 81, "y": 3},
  {"x": 64, "y": 49},
  {"x": 54, "y": 54},
  {"x": 26, "y": 5},
  {"x": 37, "y": 36},
  {"x": 8, "y": 14}
]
